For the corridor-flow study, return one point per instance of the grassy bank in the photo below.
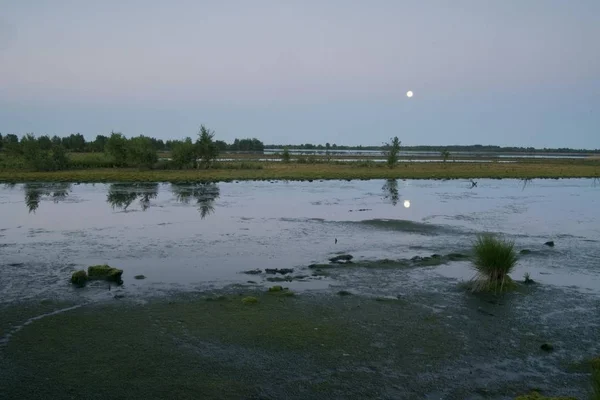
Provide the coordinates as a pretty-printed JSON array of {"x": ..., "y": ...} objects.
[{"x": 268, "y": 171}]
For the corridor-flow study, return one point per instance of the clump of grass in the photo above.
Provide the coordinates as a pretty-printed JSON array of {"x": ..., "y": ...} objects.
[
  {"x": 493, "y": 260},
  {"x": 595, "y": 378}
]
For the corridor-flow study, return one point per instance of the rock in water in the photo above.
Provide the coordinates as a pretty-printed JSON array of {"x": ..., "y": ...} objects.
[
  {"x": 547, "y": 347},
  {"x": 282, "y": 271},
  {"x": 341, "y": 258},
  {"x": 550, "y": 243},
  {"x": 253, "y": 272}
]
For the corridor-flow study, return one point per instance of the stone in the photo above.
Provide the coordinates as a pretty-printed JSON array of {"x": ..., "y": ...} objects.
[
  {"x": 550, "y": 243},
  {"x": 281, "y": 271},
  {"x": 341, "y": 258},
  {"x": 253, "y": 272},
  {"x": 139, "y": 277},
  {"x": 547, "y": 347}
]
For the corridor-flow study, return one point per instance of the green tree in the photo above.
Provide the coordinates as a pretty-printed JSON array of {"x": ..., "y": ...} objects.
[
  {"x": 59, "y": 158},
  {"x": 11, "y": 144},
  {"x": 142, "y": 151},
  {"x": 183, "y": 153},
  {"x": 45, "y": 142},
  {"x": 221, "y": 145},
  {"x": 445, "y": 154},
  {"x": 116, "y": 147},
  {"x": 392, "y": 151},
  {"x": 99, "y": 143},
  {"x": 285, "y": 156},
  {"x": 206, "y": 147},
  {"x": 56, "y": 141}
]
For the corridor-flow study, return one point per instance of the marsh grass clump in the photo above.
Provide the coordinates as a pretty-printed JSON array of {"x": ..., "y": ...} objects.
[
  {"x": 250, "y": 300},
  {"x": 79, "y": 278},
  {"x": 493, "y": 259},
  {"x": 537, "y": 396},
  {"x": 595, "y": 363},
  {"x": 105, "y": 272}
]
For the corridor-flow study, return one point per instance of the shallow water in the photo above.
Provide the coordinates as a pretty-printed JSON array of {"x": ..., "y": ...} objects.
[{"x": 197, "y": 236}]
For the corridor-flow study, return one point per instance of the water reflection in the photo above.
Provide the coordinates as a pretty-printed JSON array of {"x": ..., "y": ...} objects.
[
  {"x": 204, "y": 194},
  {"x": 35, "y": 192},
  {"x": 390, "y": 191},
  {"x": 121, "y": 195}
]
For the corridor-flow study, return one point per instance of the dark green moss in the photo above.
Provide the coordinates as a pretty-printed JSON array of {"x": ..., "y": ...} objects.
[
  {"x": 344, "y": 293},
  {"x": 105, "y": 272},
  {"x": 249, "y": 300},
  {"x": 79, "y": 278},
  {"x": 276, "y": 288},
  {"x": 538, "y": 396},
  {"x": 139, "y": 277}
]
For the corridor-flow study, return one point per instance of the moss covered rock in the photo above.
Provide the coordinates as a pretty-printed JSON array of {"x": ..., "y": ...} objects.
[
  {"x": 79, "y": 278},
  {"x": 276, "y": 288},
  {"x": 249, "y": 300},
  {"x": 105, "y": 272},
  {"x": 538, "y": 396}
]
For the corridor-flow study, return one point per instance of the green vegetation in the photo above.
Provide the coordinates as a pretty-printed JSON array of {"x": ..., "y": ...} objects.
[
  {"x": 285, "y": 156},
  {"x": 249, "y": 300},
  {"x": 445, "y": 154},
  {"x": 105, "y": 272},
  {"x": 207, "y": 149},
  {"x": 493, "y": 259},
  {"x": 537, "y": 396},
  {"x": 595, "y": 363},
  {"x": 392, "y": 151},
  {"x": 79, "y": 278},
  {"x": 282, "y": 171}
]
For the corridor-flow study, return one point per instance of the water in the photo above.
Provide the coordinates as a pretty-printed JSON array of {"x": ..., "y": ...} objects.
[{"x": 195, "y": 236}]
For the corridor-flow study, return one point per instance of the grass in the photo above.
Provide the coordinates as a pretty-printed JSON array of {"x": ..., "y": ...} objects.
[
  {"x": 282, "y": 171},
  {"x": 595, "y": 379},
  {"x": 493, "y": 259}
]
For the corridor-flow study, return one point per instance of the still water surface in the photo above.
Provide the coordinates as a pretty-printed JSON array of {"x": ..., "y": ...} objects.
[{"x": 196, "y": 236}]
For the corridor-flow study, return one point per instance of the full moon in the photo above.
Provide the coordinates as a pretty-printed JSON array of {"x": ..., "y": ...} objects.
[
  {"x": 406, "y": 203},
  {"x": 409, "y": 94}
]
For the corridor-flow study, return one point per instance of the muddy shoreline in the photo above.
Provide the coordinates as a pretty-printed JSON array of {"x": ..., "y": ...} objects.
[{"x": 435, "y": 344}]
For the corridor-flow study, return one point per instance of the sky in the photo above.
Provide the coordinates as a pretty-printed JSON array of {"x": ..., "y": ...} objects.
[{"x": 503, "y": 72}]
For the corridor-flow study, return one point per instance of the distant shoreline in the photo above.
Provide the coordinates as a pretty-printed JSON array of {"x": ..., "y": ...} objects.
[{"x": 232, "y": 171}]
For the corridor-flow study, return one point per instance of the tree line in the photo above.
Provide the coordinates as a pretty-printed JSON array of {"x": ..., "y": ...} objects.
[
  {"x": 77, "y": 143},
  {"x": 44, "y": 153}
]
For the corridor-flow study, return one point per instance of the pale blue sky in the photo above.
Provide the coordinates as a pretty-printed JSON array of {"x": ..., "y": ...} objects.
[{"x": 507, "y": 72}]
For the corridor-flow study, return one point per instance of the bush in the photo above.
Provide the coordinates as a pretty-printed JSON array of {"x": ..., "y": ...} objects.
[
  {"x": 142, "y": 152},
  {"x": 493, "y": 259}
]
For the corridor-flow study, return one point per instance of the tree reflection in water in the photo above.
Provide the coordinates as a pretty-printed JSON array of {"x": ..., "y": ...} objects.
[
  {"x": 36, "y": 192},
  {"x": 390, "y": 191},
  {"x": 204, "y": 194},
  {"x": 121, "y": 195}
]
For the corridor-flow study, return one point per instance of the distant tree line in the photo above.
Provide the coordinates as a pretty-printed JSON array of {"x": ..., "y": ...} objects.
[
  {"x": 76, "y": 143},
  {"x": 46, "y": 153}
]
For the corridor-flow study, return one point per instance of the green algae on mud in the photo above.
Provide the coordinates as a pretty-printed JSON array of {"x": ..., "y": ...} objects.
[
  {"x": 186, "y": 346},
  {"x": 281, "y": 171}
]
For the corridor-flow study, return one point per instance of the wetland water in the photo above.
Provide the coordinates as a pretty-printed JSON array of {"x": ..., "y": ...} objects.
[
  {"x": 191, "y": 236},
  {"x": 408, "y": 332}
]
